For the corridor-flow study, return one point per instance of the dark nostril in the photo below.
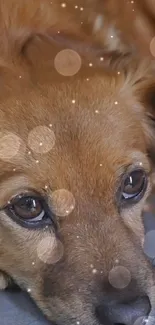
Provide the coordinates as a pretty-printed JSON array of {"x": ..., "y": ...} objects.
[
  {"x": 102, "y": 317},
  {"x": 123, "y": 314}
]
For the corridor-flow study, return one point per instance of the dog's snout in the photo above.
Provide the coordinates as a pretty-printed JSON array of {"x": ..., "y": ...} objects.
[{"x": 124, "y": 314}]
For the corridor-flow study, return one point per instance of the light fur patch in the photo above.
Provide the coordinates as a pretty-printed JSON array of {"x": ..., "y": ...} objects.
[
  {"x": 113, "y": 38},
  {"x": 98, "y": 24},
  {"x": 4, "y": 281}
]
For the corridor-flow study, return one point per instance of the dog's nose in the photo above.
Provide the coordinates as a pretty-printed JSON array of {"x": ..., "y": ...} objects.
[{"x": 133, "y": 313}]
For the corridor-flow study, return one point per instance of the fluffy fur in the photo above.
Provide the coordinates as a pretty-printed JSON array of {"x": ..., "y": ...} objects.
[{"x": 96, "y": 139}]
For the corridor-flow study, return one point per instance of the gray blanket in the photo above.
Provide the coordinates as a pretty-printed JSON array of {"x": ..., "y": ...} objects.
[{"x": 16, "y": 308}]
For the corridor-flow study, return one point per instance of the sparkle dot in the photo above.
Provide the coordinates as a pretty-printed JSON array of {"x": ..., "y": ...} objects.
[
  {"x": 46, "y": 187},
  {"x": 77, "y": 237},
  {"x": 29, "y": 152},
  {"x": 81, "y": 22},
  {"x": 133, "y": 10},
  {"x": 40, "y": 144},
  {"x": 78, "y": 323},
  {"x": 94, "y": 271},
  {"x": 14, "y": 169},
  {"x": 37, "y": 161},
  {"x": 101, "y": 165},
  {"x": 20, "y": 77},
  {"x": 87, "y": 79},
  {"x": 90, "y": 64},
  {"x": 81, "y": 8},
  {"x": 111, "y": 36},
  {"x": 101, "y": 58},
  {"x": 132, "y": 1},
  {"x": 8, "y": 202},
  {"x": 50, "y": 125},
  {"x": 118, "y": 72},
  {"x": 63, "y": 5},
  {"x": 33, "y": 263},
  {"x": 96, "y": 111},
  {"x": 28, "y": 290},
  {"x": 73, "y": 101},
  {"x": 76, "y": 7},
  {"x": 91, "y": 265},
  {"x": 58, "y": 32},
  {"x": 116, "y": 103}
]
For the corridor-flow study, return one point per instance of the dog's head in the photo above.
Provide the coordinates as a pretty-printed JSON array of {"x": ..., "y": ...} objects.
[{"x": 75, "y": 172}]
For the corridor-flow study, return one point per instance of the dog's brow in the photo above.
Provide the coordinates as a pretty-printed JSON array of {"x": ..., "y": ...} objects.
[
  {"x": 140, "y": 159},
  {"x": 12, "y": 185},
  {"x": 134, "y": 159}
]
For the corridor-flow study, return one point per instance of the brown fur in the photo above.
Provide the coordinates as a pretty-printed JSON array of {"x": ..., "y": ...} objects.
[{"x": 91, "y": 153}]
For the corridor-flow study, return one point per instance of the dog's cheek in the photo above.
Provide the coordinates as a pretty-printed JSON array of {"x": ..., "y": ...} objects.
[
  {"x": 24, "y": 253},
  {"x": 4, "y": 280},
  {"x": 132, "y": 217}
]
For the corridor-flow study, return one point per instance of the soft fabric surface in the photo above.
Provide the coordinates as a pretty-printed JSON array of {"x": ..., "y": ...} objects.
[{"x": 16, "y": 308}]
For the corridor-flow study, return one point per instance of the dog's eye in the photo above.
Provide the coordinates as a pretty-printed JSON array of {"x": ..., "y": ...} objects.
[
  {"x": 29, "y": 208},
  {"x": 134, "y": 186},
  {"x": 30, "y": 211}
]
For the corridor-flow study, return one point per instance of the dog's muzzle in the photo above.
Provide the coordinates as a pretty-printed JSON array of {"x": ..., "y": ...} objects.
[{"x": 135, "y": 313}]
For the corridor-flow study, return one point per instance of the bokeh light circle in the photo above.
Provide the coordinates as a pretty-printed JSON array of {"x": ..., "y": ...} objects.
[
  {"x": 67, "y": 62},
  {"x": 41, "y": 139},
  {"x": 50, "y": 250},
  {"x": 63, "y": 202},
  {"x": 119, "y": 277},
  {"x": 9, "y": 145}
]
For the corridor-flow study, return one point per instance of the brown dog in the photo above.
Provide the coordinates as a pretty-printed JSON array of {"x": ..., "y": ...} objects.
[{"x": 75, "y": 173}]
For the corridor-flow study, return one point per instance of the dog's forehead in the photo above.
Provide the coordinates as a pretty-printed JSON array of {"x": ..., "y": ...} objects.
[{"x": 67, "y": 127}]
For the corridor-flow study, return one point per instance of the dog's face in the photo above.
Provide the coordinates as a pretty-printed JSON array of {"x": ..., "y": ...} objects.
[{"x": 75, "y": 175}]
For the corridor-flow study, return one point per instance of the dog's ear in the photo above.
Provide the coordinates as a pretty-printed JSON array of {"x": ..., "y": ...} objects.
[
  {"x": 124, "y": 26},
  {"x": 19, "y": 22},
  {"x": 143, "y": 83},
  {"x": 148, "y": 99}
]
